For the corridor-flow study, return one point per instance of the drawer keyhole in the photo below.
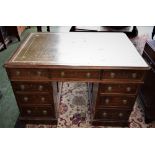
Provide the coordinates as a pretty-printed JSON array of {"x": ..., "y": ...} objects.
[
  {"x": 104, "y": 114},
  {"x": 112, "y": 75},
  {"x": 22, "y": 87},
  {"x": 134, "y": 75},
  {"x": 39, "y": 73},
  {"x": 43, "y": 99},
  {"x": 109, "y": 88},
  {"x": 120, "y": 114},
  {"x": 125, "y": 101},
  {"x": 40, "y": 88},
  {"x": 26, "y": 99},
  {"x": 62, "y": 74},
  {"x": 107, "y": 101},
  {"x": 17, "y": 73},
  {"x": 128, "y": 89},
  {"x": 44, "y": 112},
  {"x": 88, "y": 75},
  {"x": 29, "y": 112}
]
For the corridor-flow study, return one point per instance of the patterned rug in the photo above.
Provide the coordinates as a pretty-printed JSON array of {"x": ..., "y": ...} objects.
[{"x": 74, "y": 107}]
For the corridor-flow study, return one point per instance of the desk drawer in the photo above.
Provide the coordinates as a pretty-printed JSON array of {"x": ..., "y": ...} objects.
[
  {"x": 116, "y": 101},
  {"x": 122, "y": 74},
  {"x": 34, "y": 98},
  {"x": 75, "y": 74},
  {"x": 28, "y": 74},
  {"x": 37, "y": 111},
  {"x": 112, "y": 114},
  {"x": 118, "y": 88},
  {"x": 32, "y": 86}
]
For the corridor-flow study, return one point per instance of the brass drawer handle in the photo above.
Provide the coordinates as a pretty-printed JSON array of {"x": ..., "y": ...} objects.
[
  {"x": 134, "y": 75},
  {"x": 104, "y": 114},
  {"x": 109, "y": 88},
  {"x": 112, "y": 75},
  {"x": 128, "y": 89},
  {"x": 62, "y": 74},
  {"x": 43, "y": 99},
  {"x": 107, "y": 101},
  {"x": 120, "y": 114},
  {"x": 26, "y": 99},
  {"x": 88, "y": 75},
  {"x": 29, "y": 112},
  {"x": 22, "y": 87},
  {"x": 39, "y": 73},
  {"x": 44, "y": 112},
  {"x": 124, "y": 101},
  {"x": 17, "y": 73},
  {"x": 40, "y": 88}
]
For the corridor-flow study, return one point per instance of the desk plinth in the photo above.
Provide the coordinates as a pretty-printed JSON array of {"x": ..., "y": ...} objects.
[{"x": 108, "y": 61}]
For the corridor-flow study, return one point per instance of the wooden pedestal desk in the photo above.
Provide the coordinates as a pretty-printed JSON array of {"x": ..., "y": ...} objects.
[{"x": 107, "y": 61}]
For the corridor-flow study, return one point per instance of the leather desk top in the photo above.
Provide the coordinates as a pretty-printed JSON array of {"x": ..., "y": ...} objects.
[{"x": 79, "y": 50}]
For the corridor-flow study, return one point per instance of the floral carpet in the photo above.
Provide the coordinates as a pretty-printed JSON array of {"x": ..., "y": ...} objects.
[{"x": 74, "y": 106}]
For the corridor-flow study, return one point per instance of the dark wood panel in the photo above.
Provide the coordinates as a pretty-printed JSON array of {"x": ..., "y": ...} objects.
[
  {"x": 34, "y": 98},
  {"x": 36, "y": 111},
  {"x": 32, "y": 86},
  {"x": 112, "y": 114},
  {"x": 123, "y": 74},
  {"x": 28, "y": 74},
  {"x": 75, "y": 74},
  {"x": 116, "y": 101},
  {"x": 119, "y": 88}
]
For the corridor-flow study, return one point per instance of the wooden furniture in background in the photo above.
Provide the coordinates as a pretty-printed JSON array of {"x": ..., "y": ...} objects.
[
  {"x": 16, "y": 31},
  {"x": 147, "y": 91},
  {"x": 4, "y": 37},
  {"x": 39, "y": 28},
  {"x": 8, "y": 32},
  {"x": 130, "y": 31},
  {"x": 107, "y": 61}
]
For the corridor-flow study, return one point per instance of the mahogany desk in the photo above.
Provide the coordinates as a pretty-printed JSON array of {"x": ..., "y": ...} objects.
[{"x": 108, "y": 60}]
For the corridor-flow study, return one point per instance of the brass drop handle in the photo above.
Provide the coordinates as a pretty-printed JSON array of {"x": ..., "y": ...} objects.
[
  {"x": 124, "y": 101},
  {"x": 62, "y": 74},
  {"x": 17, "y": 73},
  {"x": 112, "y": 75},
  {"x": 104, "y": 114},
  {"x": 109, "y": 88},
  {"x": 26, "y": 99},
  {"x": 44, "y": 112},
  {"x": 22, "y": 87},
  {"x": 88, "y": 75},
  {"x": 29, "y": 112},
  {"x": 128, "y": 89},
  {"x": 40, "y": 88},
  {"x": 107, "y": 101},
  {"x": 120, "y": 114},
  {"x": 43, "y": 99},
  {"x": 39, "y": 73},
  {"x": 134, "y": 75}
]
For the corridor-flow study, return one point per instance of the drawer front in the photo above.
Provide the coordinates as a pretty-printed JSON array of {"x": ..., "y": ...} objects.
[
  {"x": 37, "y": 111},
  {"x": 31, "y": 98},
  {"x": 31, "y": 86},
  {"x": 28, "y": 74},
  {"x": 75, "y": 74},
  {"x": 115, "y": 101},
  {"x": 118, "y": 88},
  {"x": 122, "y": 74},
  {"x": 112, "y": 114}
]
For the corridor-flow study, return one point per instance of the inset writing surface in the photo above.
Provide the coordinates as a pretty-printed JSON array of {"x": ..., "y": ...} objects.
[{"x": 79, "y": 49}]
